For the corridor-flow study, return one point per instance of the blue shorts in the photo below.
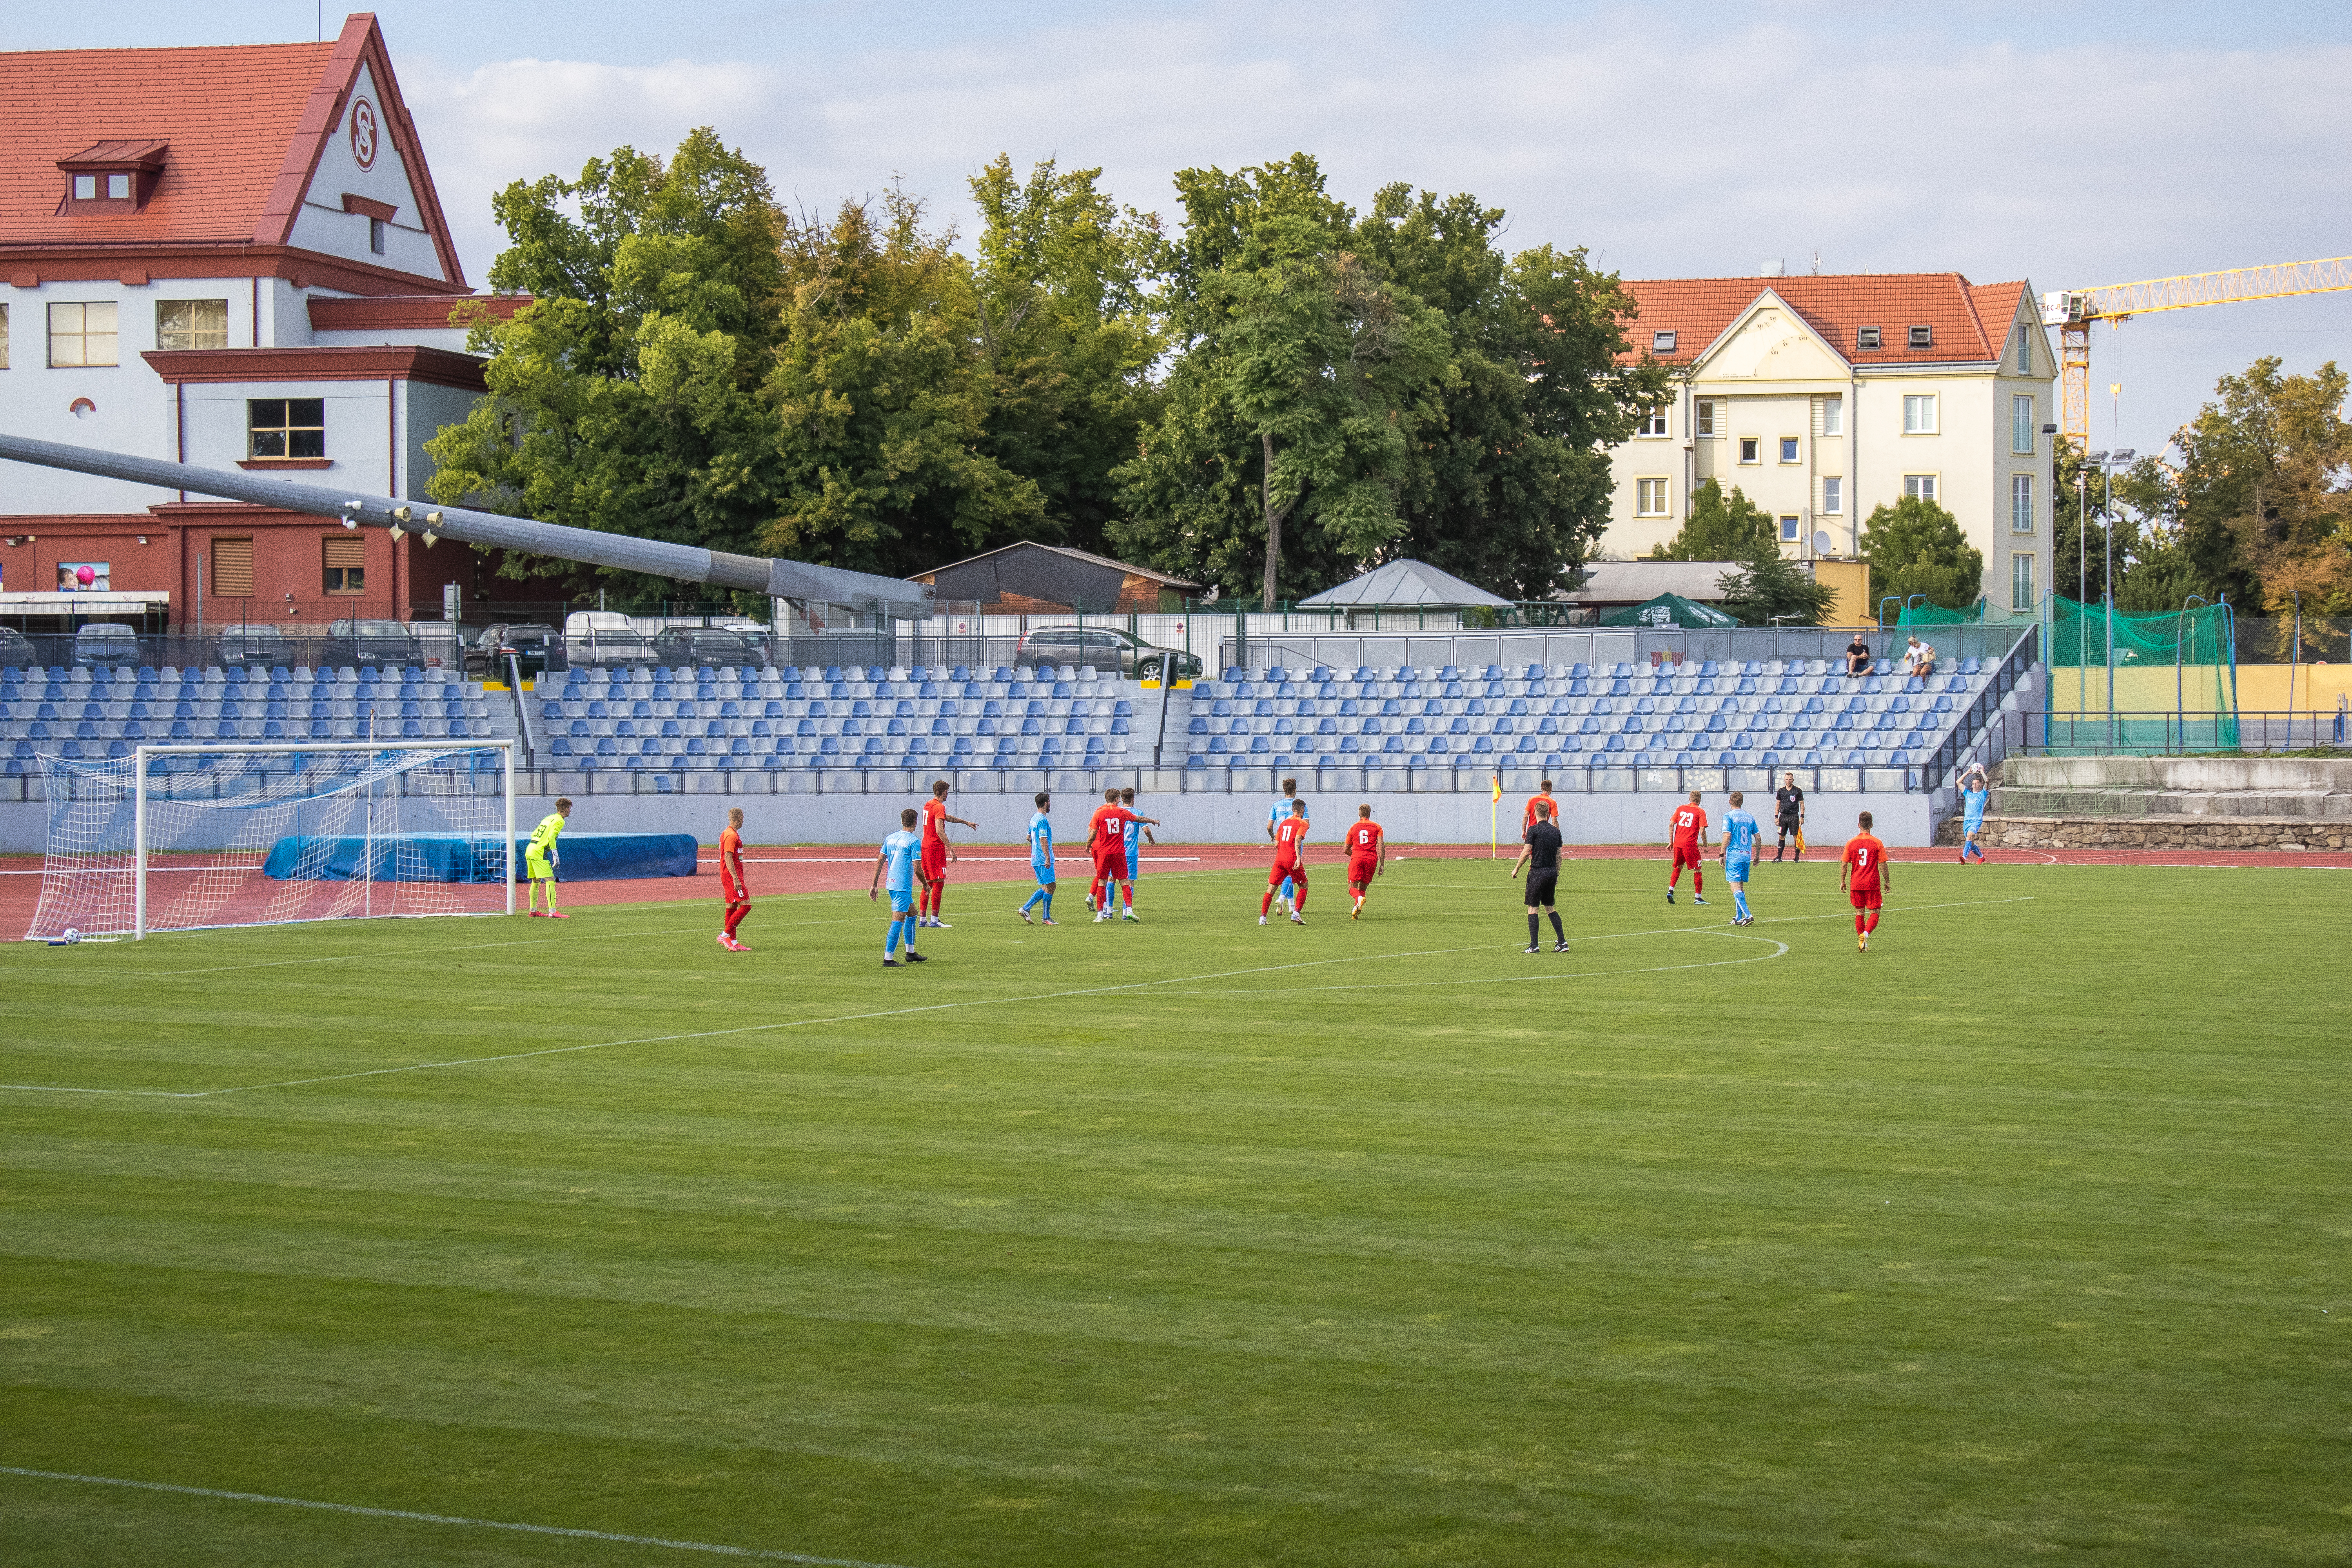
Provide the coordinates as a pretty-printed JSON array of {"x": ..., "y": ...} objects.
[
  {"x": 902, "y": 904},
  {"x": 1972, "y": 826},
  {"x": 1045, "y": 874},
  {"x": 1735, "y": 868},
  {"x": 1134, "y": 864}
]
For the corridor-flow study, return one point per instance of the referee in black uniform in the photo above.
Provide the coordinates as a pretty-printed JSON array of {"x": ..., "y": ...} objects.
[
  {"x": 1788, "y": 807},
  {"x": 1541, "y": 857}
]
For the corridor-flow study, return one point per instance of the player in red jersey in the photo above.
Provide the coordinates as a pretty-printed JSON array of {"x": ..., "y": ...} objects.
[
  {"x": 1289, "y": 864},
  {"x": 733, "y": 885},
  {"x": 1542, "y": 797},
  {"x": 1688, "y": 824},
  {"x": 1106, "y": 843},
  {"x": 1368, "y": 857},
  {"x": 1862, "y": 874},
  {"x": 936, "y": 854}
]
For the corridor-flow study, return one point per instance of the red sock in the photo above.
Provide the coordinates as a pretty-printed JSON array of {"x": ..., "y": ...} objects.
[
  {"x": 1266, "y": 903},
  {"x": 1874, "y": 921},
  {"x": 1674, "y": 877},
  {"x": 938, "y": 894},
  {"x": 1858, "y": 927},
  {"x": 735, "y": 913},
  {"x": 1698, "y": 881},
  {"x": 1094, "y": 894},
  {"x": 1299, "y": 895}
]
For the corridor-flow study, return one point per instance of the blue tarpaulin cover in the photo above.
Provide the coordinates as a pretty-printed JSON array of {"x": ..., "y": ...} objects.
[{"x": 474, "y": 857}]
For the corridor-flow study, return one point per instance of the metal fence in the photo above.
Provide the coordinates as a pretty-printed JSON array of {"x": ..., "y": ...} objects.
[
  {"x": 1643, "y": 646},
  {"x": 2169, "y": 732}
]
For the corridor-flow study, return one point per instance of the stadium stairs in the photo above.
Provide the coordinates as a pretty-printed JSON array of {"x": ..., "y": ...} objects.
[{"x": 2168, "y": 803}]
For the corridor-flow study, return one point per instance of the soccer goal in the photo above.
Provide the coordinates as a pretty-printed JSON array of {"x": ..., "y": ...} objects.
[{"x": 187, "y": 837}]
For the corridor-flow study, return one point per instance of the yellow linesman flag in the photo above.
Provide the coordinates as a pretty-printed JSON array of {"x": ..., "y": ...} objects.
[{"x": 1497, "y": 782}]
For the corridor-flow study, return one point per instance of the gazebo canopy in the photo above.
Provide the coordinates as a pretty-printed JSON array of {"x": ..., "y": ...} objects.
[
  {"x": 1670, "y": 610},
  {"x": 1405, "y": 585}
]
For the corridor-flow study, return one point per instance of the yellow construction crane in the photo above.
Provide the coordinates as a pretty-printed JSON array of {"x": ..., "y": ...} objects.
[{"x": 2072, "y": 311}]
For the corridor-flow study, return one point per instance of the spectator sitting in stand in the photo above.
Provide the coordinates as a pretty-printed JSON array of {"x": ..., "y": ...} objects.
[
  {"x": 1919, "y": 658},
  {"x": 1857, "y": 656}
]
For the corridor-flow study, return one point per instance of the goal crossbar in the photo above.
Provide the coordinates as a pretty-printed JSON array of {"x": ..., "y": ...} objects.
[{"x": 504, "y": 745}]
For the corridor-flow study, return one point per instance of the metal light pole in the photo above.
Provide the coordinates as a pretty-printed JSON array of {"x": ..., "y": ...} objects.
[
  {"x": 2107, "y": 582},
  {"x": 2083, "y": 574}
]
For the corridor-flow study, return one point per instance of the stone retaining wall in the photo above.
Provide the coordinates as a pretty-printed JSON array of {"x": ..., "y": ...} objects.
[{"x": 2157, "y": 833}]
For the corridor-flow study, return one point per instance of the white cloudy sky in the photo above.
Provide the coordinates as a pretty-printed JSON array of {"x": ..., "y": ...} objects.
[{"x": 2070, "y": 144}]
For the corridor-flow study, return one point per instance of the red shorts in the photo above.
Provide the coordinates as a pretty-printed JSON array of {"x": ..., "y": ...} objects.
[
  {"x": 935, "y": 859},
  {"x": 1111, "y": 862},
  {"x": 1287, "y": 871},
  {"x": 1866, "y": 897},
  {"x": 1361, "y": 867},
  {"x": 1688, "y": 855},
  {"x": 729, "y": 891}
]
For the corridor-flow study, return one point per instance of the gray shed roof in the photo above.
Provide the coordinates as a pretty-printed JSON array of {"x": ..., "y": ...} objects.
[{"x": 1405, "y": 585}]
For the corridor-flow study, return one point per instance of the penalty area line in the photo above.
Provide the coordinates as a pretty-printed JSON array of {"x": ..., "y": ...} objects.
[{"x": 713, "y": 1549}]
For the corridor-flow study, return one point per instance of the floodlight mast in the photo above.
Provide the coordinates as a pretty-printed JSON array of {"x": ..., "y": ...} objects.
[{"x": 893, "y": 597}]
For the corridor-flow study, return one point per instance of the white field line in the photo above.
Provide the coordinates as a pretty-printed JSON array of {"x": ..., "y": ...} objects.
[
  {"x": 926, "y": 1008},
  {"x": 758, "y": 1554}
]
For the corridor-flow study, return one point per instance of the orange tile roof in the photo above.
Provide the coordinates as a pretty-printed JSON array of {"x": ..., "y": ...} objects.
[
  {"x": 228, "y": 114},
  {"x": 1970, "y": 322},
  {"x": 242, "y": 127}
]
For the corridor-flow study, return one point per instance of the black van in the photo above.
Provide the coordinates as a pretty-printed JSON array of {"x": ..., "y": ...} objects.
[{"x": 371, "y": 644}]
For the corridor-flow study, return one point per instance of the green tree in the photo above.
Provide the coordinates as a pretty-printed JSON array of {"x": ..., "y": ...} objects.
[
  {"x": 1917, "y": 547},
  {"x": 2260, "y": 505},
  {"x": 879, "y": 399},
  {"x": 1067, "y": 337},
  {"x": 627, "y": 396},
  {"x": 1721, "y": 527},
  {"x": 1508, "y": 481},
  {"x": 1294, "y": 346},
  {"x": 1767, "y": 589}
]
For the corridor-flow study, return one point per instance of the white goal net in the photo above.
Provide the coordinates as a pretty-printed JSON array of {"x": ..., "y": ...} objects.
[{"x": 187, "y": 837}]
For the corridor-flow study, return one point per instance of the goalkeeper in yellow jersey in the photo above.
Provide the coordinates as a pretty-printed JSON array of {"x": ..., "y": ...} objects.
[{"x": 539, "y": 859}]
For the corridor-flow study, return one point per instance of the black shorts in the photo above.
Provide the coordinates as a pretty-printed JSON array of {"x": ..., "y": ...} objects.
[
  {"x": 1542, "y": 887},
  {"x": 1789, "y": 825}
]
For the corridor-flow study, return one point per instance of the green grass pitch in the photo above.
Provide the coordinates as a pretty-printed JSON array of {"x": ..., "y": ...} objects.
[{"x": 2024, "y": 1239}]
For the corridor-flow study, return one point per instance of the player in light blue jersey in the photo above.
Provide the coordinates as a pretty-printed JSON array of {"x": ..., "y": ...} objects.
[
  {"x": 1280, "y": 814},
  {"x": 901, "y": 857},
  {"x": 1136, "y": 831},
  {"x": 1974, "y": 792},
  {"x": 1740, "y": 834},
  {"x": 1041, "y": 862}
]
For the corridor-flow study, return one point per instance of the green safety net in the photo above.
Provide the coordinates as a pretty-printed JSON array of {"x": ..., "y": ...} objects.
[
  {"x": 2173, "y": 677},
  {"x": 1979, "y": 614}
]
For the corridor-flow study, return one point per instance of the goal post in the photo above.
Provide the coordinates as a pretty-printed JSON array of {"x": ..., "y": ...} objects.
[{"x": 203, "y": 835}]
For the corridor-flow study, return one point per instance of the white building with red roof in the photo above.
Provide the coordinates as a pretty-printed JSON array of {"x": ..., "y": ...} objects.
[
  {"x": 1821, "y": 397},
  {"x": 229, "y": 257}
]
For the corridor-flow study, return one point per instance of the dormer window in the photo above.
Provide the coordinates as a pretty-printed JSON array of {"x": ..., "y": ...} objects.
[
  {"x": 1663, "y": 342},
  {"x": 1865, "y": 337},
  {"x": 112, "y": 176}
]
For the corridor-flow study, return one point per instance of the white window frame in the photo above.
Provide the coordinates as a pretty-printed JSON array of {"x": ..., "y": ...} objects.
[
  {"x": 1792, "y": 528},
  {"x": 2024, "y": 349},
  {"x": 1751, "y": 450},
  {"x": 113, "y": 330},
  {"x": 1649, "y": 502},
  {"x": 1833, "y": 415},
  {"x": 1919, "y": 414},
  {"x": 1833, "y": 495},
  {"x": 1651, "y": 427},
  {"x": 2022, "y": 594},
  {"x": 2022, "y": 518},
  {"x": 2022, "y": 426},
  {"x": 1703, "y": 417},
  {"x": 1924, "y": 486},
  {"x": 1792, "y": 449}
]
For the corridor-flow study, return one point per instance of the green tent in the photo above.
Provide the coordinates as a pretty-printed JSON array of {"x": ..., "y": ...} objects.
[{"x": 1671, "y": 610}]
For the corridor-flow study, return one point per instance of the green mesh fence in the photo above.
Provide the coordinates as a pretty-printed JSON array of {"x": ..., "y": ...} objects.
[{"x": 2173, "y": 680}]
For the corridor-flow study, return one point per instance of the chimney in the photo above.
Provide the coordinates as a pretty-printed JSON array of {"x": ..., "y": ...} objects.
[{"x": 1776, "y": 268}]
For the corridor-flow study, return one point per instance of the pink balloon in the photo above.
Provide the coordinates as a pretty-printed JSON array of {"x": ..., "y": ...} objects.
[{"x": 85, "y": 576}]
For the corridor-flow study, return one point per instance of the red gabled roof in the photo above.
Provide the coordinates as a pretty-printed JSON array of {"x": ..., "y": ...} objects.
[
  {"x": 1970, "y": 322},
  {"x": 243, "y": 126}
]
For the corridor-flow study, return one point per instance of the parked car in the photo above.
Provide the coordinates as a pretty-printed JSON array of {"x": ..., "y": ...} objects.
[
  {"x": 534, "y": 645},
  {"x": 711, "y": 648},
  {"x": 608, "y": 646},
  {"x": 16, "y": 649},
  {"x": 1107, "y": 649},
  {"x": 370, "y": 645},
  {"x": 104, "y": 643},
  {"x": 254, "y": 647}
]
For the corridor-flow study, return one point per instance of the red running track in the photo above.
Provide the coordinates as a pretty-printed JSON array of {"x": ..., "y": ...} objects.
[{"x": 838, "y": 867}]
